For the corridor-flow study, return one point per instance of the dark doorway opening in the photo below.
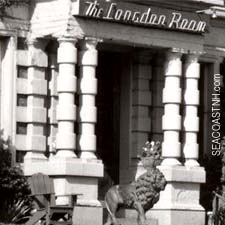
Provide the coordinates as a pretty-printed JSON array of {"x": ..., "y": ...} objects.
[{"x": 108, "y": 120}]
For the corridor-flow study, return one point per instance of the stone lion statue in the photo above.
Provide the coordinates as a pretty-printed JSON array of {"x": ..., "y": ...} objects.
[{"x": 141, "y": 194}]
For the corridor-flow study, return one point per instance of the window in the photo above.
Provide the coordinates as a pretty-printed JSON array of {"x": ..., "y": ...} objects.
[
  {"x": 22, "y": 72},
  {"x": 20, "y": 156},
  {"x": 21, "y": 128},
  {"x": 21, "y": 100},
  {"x": 21, "y": 43}
]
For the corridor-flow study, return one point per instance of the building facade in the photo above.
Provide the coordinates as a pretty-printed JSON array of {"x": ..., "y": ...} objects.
[{"x": 84, "y": 84}]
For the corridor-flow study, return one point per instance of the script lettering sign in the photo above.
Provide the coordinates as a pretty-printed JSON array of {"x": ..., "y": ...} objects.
[{"x": 143, "y": 15}]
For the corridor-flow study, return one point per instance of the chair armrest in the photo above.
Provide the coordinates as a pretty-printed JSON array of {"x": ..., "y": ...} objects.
[
  {"x": 74, "y": 194},
  {"x": 72, "y": 198},
  {"x": 33, "y": 195},
  {"x": 70, "y": 195}
]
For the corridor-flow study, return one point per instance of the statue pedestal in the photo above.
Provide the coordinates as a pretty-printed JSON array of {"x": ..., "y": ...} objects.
[
  {"x": 133, "y": 221},
  {"x": 129, "y": 217}
]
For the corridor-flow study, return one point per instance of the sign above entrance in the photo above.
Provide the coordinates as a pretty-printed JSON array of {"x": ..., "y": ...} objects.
[{"x": 143, "y": 15}]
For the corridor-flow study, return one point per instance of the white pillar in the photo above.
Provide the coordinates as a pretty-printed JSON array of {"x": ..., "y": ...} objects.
[
  {"x": 87, "y": 90},
  {"x": 66, "y": 88},
  {"x": 171, "y": 121},
  {"x": 8, "y": 89},
  {"x": 191, "y": 102},
  {"x": 36, "y": 111}
]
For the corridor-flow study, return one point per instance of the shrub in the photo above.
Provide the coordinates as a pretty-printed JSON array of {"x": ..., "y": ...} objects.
[
  {"x": 7, "y": 3},
  {"x": 15, "y": 203}
]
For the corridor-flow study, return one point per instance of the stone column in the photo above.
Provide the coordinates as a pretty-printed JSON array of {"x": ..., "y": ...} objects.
[
  {"x": 36, "y": 114},
  {"x": 8, "y": 89},
  {"x": 180, "y": 199},
  {"x": 88, "y": 60},
  {"x": 66, "y": 87},
  {"x": 171, "y": 121},
  {"x": 191, "y": 102}
]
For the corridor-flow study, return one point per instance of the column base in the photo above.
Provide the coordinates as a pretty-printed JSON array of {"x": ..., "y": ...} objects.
[
  {"x": 178, "y": 217},
  {"x": 57, "y": 166},
  {"x": 170, "y": 162},
  {"x": 191, "y": 163},
  {"x": 129, "y": 217},
  {"x": 31, "y": 157},
  {"x": 65, "y": 154},
  {"x": 179, "y": 202},
  {"x": 87, "y": 215},
  {"x": 87, "y": 155}
]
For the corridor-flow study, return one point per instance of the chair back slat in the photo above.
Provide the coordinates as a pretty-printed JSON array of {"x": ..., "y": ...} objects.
[
  {"x": 47, "y": 182},
  {"x": 41, "y": 184},
  {"x": 42, "y": 189}
]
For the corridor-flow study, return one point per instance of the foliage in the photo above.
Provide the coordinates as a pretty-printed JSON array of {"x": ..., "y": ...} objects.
[
  {"x": 213, "y": 167},
  {"x": 15, "y": 203},
  {"x": 215, "y": 171},
  {"x": 151, "y": 150},
  {"x": 219, "y": 216},
  {"x": 7, "y": 3}
]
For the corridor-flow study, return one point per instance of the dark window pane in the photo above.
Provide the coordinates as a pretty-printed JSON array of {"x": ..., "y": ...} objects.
[
  {"x": 20, "y": 156},
  {"x": 21, "y": 100},
  {"x": 22, "y": 72},
  {"x": 21, "y": 128},
  {"x": 21, "y": 43}
]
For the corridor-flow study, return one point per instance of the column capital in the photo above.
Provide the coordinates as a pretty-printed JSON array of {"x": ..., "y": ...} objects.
[
  {"x": 196, "y": 53},
  {"x": 88, "y": 54},
  {"x": 90, "y": 43},
  {"x": 67, "y": 51},
  {"x": 159, "y": 59},
  {"x": 143, "y": 57},
  {"x": 193, "y": 56},
  {"x": 174, "y": 53},
  {"x": 178, "y": 50},
  {"x": 37, "y": 43},
  {"x": 31, "y": 41},
  {"x": 67, "y": 38}
]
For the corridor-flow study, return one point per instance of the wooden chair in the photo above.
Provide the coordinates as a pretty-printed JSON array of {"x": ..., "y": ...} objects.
[{"x": 48, "y": 212}]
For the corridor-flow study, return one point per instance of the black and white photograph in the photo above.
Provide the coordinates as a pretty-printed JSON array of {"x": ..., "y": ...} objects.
[{"x": 112, "y": 112}]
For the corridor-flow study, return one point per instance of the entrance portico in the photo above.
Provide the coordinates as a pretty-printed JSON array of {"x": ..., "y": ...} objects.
[{"x": 76, "y": 168}]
